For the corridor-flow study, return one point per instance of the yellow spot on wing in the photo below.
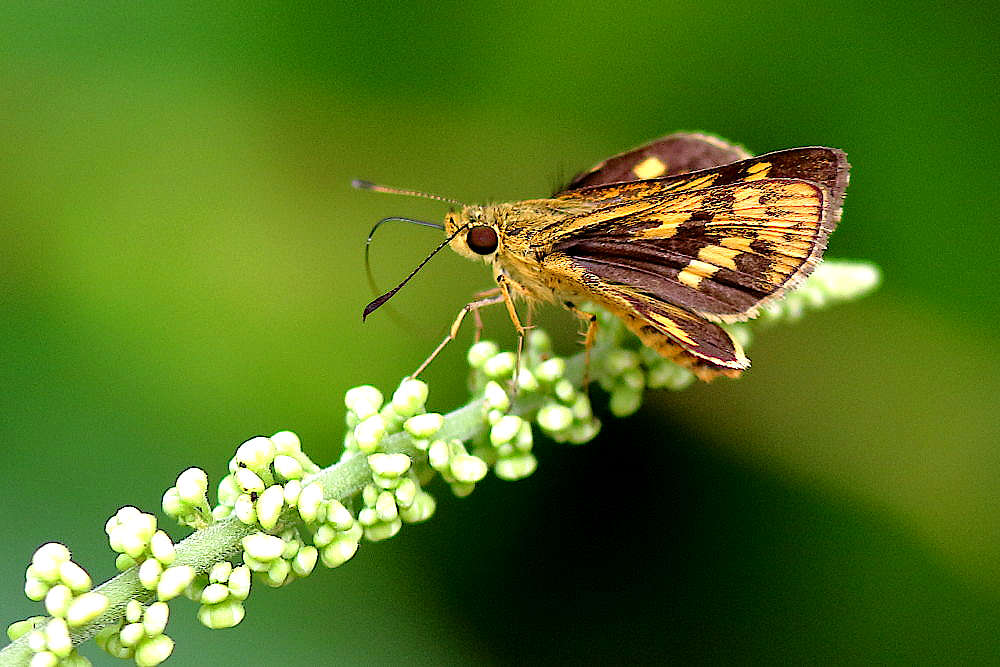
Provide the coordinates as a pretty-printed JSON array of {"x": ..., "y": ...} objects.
[
  {"x": 737, "y": 243},
  {"x": 757, "y": 171},
  {"x": 668, "y": 225},
  {"x": 744, "y": 198},
  {"x": 609, "y": 213},
  {"x": 671, "y": 328},
  {"x": 696, "y": 269},
  {"x": 699, "y": 183},
  {"x": 719, "y": 256},
  {"x": 651, "y": 167}
]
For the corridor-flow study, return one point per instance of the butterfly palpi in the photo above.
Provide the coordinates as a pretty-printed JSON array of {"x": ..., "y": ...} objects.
[{"x": 673, "y": 237}]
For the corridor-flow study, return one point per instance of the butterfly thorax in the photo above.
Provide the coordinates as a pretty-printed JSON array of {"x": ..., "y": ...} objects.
[{"x": 526, "y": 232}]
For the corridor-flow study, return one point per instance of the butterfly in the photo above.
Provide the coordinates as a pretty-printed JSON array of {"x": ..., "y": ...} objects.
[{"x": 673, "y": 237}]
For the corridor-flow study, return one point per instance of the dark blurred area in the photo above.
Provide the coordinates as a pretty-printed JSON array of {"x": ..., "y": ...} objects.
[{"x": 181, "y": 269}]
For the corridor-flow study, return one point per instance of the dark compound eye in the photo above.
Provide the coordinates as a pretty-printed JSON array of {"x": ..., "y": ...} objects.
[{"x": 482, "y": 240}]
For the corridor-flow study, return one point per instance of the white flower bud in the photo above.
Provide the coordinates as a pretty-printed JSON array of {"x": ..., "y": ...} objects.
[
  {"x": 288, "y": 467},
  {"x": 133, "y": 611},
  {"x": 223, "y": 615},
  {"x": 173, "y": 581},
  {"x": 162, "y": 548},
  {"x": 305, "y": 561},
  {"x": 131, "y": 634},
  {"x": 554, "y": 417},
  {"x": 619, "y": 360},
  {"x": 35, "y": 589},
  {"x": 468, "y": 469},
  {"x": 74, "y": 576},
  {"x": 309, "y": 502},
  {"x": 505, "y": 430},
  {"x": 86, "y": 608},
  {"x": 363, "y": 401},
  {"x": 382, "y": 531},
  {"x": 323, "y": 535},
  {"x": 500, "y": 365},
  {"x": 624, "y": 401},
  {"x": 214, "y": 594},
  {"x": 385, "y": 507},
  {"x": 389, "y": 465},
  {"x": 405, "y": 492},
  {"x": 57, "y": 600},
  {"x": 245, "y": 509},
  {"x": 269, "y": 506},
  {"x": 149, "y": 573},
  {"x": 634, "y": 379},
  {"x": 339, "y": 551},
  {"x": 526, "y": 381},
  {"x": 480, "y": 352},
  {"x": 153, "y": 650},
  {"x": 410, "y": 397},
  {"x": 421, "y": 509},
  {"x": 256, "y": 453},
  {"x": 286, "y": 442},
  {"x": 278, "y": 573},
  {"x": 291, "y": 491},
  {"x": 219, "y": 573},
  {"x": 438, "y": 455},
  {"x": 551, "y": 370},
  {"x": 338, "y": 515},
  {"x": 229, "y": 490},
  {"x": 263, "y": 547},
  {"x": 425, "y": 425},
  {"x": 524, "y": 438},
  {"x": 36, "y": 641},
  {"x": 47, "y": 559},
  {"x": 515, "y": 467},
  {"x": 248, "y": 480},
  {"x": 57, "y": 638},
  {"x": 43, "y": 658},
  {"x": 154, "y": 621},
  {"x": 496, "y": 397},
  {"x": 369, "y": 433},
  {"x": 239, "y": 582},
  {"x": 192, "y": 485}
]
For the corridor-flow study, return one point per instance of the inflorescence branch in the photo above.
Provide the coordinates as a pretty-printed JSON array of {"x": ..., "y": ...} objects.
[{"x": 278, "y": 514}]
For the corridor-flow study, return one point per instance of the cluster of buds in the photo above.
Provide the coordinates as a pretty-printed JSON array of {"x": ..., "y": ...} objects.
[
  {"x": 139, "y": 635},
  {"x": 65, "y": 587},
  {"x": 291, "y": 522}
]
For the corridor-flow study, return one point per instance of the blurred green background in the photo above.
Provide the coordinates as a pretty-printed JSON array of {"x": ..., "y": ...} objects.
[{"x": 181, "y": 268}]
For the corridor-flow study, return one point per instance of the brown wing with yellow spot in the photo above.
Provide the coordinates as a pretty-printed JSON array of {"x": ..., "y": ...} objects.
[
  {"x": 669, "y": 254},
  {"x": 692, "y": 341},
  {"x": 673, "y": 154},
  {"x": 720, "y": 242}
]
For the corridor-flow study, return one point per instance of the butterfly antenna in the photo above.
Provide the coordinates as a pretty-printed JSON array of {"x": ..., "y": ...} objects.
[
  {"x": 368, "y": 185},
  {"x": 371, "y": 307},
  {"x": 371, "y": 234}
]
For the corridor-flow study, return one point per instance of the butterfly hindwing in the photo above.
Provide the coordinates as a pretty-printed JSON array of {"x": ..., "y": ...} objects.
[
  {"x": 673, "y": 154},
  {"x": 704, "y": 347}
]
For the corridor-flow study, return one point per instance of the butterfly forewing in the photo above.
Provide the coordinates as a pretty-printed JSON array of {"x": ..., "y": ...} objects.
[{"x": 715, "y": 244}]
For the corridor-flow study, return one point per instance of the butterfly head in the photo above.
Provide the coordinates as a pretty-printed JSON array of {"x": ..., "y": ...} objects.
[{"x": 473, "y": 233}]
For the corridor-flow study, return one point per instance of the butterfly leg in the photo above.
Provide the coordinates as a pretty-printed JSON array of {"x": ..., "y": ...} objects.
[
  {"x": 588, "y": 338},
  {"x": 469, "y": 307},
  {"x": 475, "y": 313},
  {"x": 508, "y": 298}
]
